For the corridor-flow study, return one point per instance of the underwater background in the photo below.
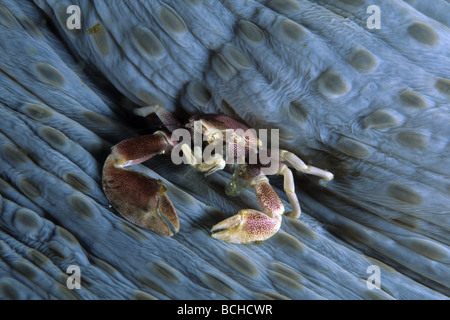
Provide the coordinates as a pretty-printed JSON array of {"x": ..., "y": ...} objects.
[{"x": 368, "y": 103}]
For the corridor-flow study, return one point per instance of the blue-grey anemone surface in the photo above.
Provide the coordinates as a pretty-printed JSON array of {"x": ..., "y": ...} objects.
[{"x": 369, "y": 104}]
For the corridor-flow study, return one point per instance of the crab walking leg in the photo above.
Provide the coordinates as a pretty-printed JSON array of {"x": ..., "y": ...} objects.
[
  {"x": 192, "y": 158},
  {"x": 139, "y": 198},
  {"x": 251, "y": 225},
  {"x": 299, "y": 165},
  {"x": 211, "y": 164},
  {"x": 289, "y": 188},
  {"x": 166, "y": 117}
]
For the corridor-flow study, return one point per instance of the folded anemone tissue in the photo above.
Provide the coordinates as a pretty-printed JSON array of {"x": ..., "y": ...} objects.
[{"x": 355, "y": 92}]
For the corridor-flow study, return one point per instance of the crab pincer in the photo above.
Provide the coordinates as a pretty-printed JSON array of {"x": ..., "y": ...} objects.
[
  {"x": 140, "y": 199},
  {"x": 247, "y": 226}
]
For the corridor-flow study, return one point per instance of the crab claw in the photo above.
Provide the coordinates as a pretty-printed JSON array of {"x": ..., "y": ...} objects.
[
  {"x": 139, "y": 198},
  {"x": 246, "y": 227}
]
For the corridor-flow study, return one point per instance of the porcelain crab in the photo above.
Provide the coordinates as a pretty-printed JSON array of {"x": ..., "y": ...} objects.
[{"x": 143, "y": 200}]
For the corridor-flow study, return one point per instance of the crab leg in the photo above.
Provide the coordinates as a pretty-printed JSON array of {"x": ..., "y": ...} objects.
[
  {"x": 139, "y": 198},
  {"x": 289, "y": 185},
  {"x": 166, "y": 117},
  {"x": 251, "y": 225},
  {"x": 195, "y": 158},
  {"x": 299, "y": 165},
  {"x": 289, "y": 189}
]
